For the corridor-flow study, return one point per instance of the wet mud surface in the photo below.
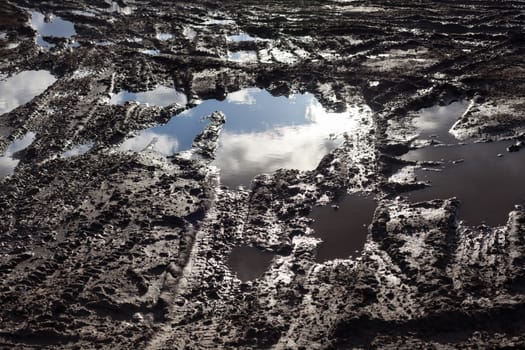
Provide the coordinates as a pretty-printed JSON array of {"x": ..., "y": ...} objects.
[{"x": 119, "y": 231}]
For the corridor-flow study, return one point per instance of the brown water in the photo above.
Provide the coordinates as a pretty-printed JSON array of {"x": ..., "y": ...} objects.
[
  {"x": 343, "y": 230},
  {"x": 249, "y": 263},
  {"x": 488, "y": 186}
]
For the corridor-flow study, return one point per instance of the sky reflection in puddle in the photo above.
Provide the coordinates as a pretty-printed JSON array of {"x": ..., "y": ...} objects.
[
  {"x": 240, "y": 37},
  {"x": 343, "y": 229},
  {"x": 54, "y": 27},
  {"x": 77, "y": 150},
  {"x": 435, "y": 122},
  {"x": 161, "y": 96},
  {"x": 242, "y": 56},
  {"x": 262, "y": 133},
  {"x": 22, "y": 88},
  {"x": 7, "y": 162},
  {"x": 487, "y": 185}
]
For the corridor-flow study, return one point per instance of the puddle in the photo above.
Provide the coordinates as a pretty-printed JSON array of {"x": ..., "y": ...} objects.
[
  {"x": 22, "y": 88},
  {"x": 150, "y": 52},
  {"x": 52, "y": 26},
  {"x": 435, "y": 122},
  {"x": 262, "y": 133},
  {"x": 161, "y": 96},
  {"x": 221, "y": 22},
  {"x": 240, "y": 37},
  {"x": 7, "y": 162},
  {"x": 242, "y": 56},
  {"x": 249, "y": 263},
  {"x": 77, "y": 150},
  {"x": 488, "y": 186},
  {"x": 343, "y": 230},
  {"x": 164, "y": 36}
]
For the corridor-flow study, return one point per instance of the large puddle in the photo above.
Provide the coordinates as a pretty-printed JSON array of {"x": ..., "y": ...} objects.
[
  {"x": 342, "y": 227},
  {"x": 262, "y": 133},
  {"x": 486, "y": 178},
  {"x": 51, "y": 26},
  {"x": 22, "y": 88},
  {"x": 249, "y": 263},
  {"x": 487, "y": 185}
]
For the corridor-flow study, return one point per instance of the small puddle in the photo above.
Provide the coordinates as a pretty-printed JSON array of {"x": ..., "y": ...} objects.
[
  {"x": 242, "y": 56},
  {"x": 150, "y": 52},
  {"x": 52, "y": 26},
  {"x": 262, "y": 133},
  {"x": 343, "y": 229},
  {"x": 161, "y": 96},
  {"x": 435, "y": 122},
  {"x": 488, "y": 186},
  {"x": 241, "y": 37},
  {"x": 249, "y": 263},
  {"x": 7, "y": 162},
  {"x": 22, "y": 88},
  {"x": 164, "y": 36},
  {"x": 77, "y": 150}
]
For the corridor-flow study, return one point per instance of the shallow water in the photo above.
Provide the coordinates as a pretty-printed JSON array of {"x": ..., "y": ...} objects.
[
  {"x": 7, "y": 162},
  {"x": 488, "y": 186},
  {"x": 435, "y": 122},
  {"x": 77, "y": 150},
  {"x": 22, "y": 88},
  {"x": 343, "y": 230},
  {"x": 242, "y": 56},
  {"x": 262, "y": 133},
  {"x": 249, "y": 263},
  {"x": 55, "y": 27},
  {"x": 240, "y": 37},
  {"x": 161, "y": 96}
]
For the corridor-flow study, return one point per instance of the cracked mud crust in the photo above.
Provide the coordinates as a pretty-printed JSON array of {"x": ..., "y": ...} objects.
[{"x": 123, "y": 250}]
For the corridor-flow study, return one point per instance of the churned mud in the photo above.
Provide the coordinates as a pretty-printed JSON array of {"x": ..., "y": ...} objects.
[{"x": 271, "y": 174}]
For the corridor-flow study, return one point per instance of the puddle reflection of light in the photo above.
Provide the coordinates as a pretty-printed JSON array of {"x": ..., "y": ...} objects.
[
  {"x": 7, "y": 162},
  {"x": 22, "y": 88},
  {"x": 242, "y": 56},
  {"x": 161, "y": 96},
  {"x": 54, "y": 27},
  {"x": 262, "y": 133}
]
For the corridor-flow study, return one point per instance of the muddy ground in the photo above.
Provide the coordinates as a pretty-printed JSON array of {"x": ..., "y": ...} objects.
[{"x": 112, "y": 250}]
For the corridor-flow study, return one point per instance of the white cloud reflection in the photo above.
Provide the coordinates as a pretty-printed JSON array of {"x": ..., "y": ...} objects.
[
  {"x": 7, "y": 162},
  {"x": 161, "y": 96},
  {"x": 242, "y": 97},
  {"x": 242, "y": 56},
  {"x": 78, "y": 150},
  {"x": 241, "y": 156},
  {"x": 22, "y": 88}
]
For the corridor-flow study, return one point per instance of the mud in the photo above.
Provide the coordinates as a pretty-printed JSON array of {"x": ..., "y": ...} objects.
[{"x": 107, "y": 248}]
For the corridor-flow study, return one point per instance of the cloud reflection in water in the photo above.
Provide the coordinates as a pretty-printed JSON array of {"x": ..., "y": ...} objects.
[{"x": 262, "y": 133}]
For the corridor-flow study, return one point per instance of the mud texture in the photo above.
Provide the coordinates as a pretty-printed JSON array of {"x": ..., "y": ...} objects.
[{"x": 121, "y": 250}]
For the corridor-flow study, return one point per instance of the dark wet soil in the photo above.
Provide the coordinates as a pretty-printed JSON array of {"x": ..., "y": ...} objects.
[{"x": 128, "y": 250}]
